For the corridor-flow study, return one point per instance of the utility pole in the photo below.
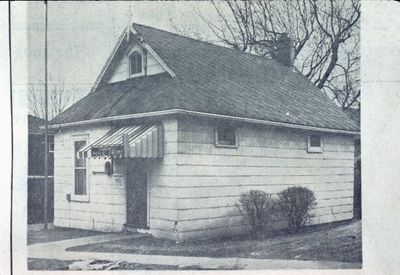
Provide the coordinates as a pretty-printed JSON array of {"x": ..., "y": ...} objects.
[{"x": 46, "y": 131}]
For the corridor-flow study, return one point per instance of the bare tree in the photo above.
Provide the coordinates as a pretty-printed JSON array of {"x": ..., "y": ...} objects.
[
  {"x": 345, "y": 83},
  {"x": 325, "y": 33},
  {"x": 59, "y": 99}
]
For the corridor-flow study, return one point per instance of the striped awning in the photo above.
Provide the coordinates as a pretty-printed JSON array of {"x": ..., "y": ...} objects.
[{"x": 132, "y": 141}]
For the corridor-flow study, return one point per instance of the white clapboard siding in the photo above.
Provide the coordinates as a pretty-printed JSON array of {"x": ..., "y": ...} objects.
[
  {"x": 63, "y": 187},
  {"x": 106, "y": 208},
  {"x": 210, "y": 179},
  {"x": 210, "y": 149},
  {"x": 211, "y": 171},
  {"x": 238, "y": 180},
  {"x": 227, "y": 221},
  {"x": 201, "y": 170},
  {"x": 206, "y": 213},
  {"x": 214, "y": 202},
  {"x": 162, "y": 224},
  {"x": 199, "y": 225},
  {"x": 224, "y": 191},
  {"x": 118, "y": 209},
  {"x": 61, "y": 222},
  {"x": 161, "y": 209},
  {"x": 259, "y": 161},
  {"x": 333, "y": 218},
  {"x": 97, "y": 203},
  {"x": 90, "y": 216},
  {"x": 89, "y": 225},
  {"x": 332, "y": 210},
  {"x": 299, "y": 143},
  {"x": 212, "y": 232},
  {"x": 166, "y": 214},
  {"x": 204, "y": 231},
  {"x": 335, "y": 201},
  {"x": 166, "y": 203}
]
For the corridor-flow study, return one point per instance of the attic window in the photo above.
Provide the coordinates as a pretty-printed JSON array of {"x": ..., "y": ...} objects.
[
  {"x": 135, "y": 63},
  {"x": 225, "y": 135},
  {"x": 314, "y": 144}
]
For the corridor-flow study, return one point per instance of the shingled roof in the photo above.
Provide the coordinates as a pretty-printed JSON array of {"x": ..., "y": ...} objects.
[{"x": 210, "y": 79}]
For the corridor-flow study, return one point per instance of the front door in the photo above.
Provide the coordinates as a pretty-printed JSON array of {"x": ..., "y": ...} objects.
[{"x": 136, "y": 194}]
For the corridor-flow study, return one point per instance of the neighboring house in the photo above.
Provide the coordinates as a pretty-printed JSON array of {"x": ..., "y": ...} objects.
[
  {"x": 175, "y": 129},
  {"x": 36, "y": 172}
]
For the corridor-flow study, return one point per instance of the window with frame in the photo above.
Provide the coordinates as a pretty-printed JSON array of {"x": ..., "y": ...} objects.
[
  {"x": 225, "y": 135},
  {"x": 80, "y": 169},
  {"x": 135, "y": 63},
  {"x": 314, "y": 144}
]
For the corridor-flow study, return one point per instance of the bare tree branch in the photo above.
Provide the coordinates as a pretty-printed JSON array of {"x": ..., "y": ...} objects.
[
  {"x": 323, "y": 32},
  {"x": 59, "y": 99}
]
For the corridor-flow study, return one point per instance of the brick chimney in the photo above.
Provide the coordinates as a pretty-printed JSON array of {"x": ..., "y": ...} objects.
[{"x": 285, "y": 50}]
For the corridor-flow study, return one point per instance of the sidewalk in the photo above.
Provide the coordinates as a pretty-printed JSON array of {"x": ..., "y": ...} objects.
[{"x": 56, "y": 250}]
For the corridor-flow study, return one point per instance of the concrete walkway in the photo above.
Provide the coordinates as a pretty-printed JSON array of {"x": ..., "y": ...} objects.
[{"x": 57, "y": 250}]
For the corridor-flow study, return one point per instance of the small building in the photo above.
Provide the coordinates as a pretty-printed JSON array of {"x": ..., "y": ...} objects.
[
  {"x": 36, "y": 172},
  {"x": 175, "y": 129}
]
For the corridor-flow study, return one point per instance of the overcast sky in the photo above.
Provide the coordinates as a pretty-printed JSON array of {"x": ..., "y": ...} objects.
[{"x": 81, "y": 35}]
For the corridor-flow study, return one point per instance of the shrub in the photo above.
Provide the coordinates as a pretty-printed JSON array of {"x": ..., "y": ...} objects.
[
  {"x": 296, "y": 204},
  {"x": 257, "y": 208}
]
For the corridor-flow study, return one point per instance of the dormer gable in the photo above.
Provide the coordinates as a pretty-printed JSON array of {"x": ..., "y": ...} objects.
[
  {"x": 137, "y": 61},
  {"x": 117, "y": 66}
]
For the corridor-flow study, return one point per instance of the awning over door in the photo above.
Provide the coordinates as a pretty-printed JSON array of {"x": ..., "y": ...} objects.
[{"x": 133, "y": 141}]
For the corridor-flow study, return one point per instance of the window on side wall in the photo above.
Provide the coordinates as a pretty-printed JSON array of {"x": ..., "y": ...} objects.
[
  {"x": 225, "y": 135},
  {"x": 135, "y": 63},
  {"x": 80, "y": 184},
  {"x": 314, "y": 144}
]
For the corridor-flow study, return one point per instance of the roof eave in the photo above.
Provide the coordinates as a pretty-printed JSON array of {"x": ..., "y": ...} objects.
[{"x": 203, "y": 114}]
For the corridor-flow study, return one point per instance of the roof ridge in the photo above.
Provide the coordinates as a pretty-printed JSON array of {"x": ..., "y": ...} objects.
[{"x": 215, "y": 45}]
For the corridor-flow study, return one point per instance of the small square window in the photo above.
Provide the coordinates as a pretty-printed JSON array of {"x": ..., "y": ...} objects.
[
  {"x": 225, "y": 135},
  {"x": 314, "y": 144}
]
